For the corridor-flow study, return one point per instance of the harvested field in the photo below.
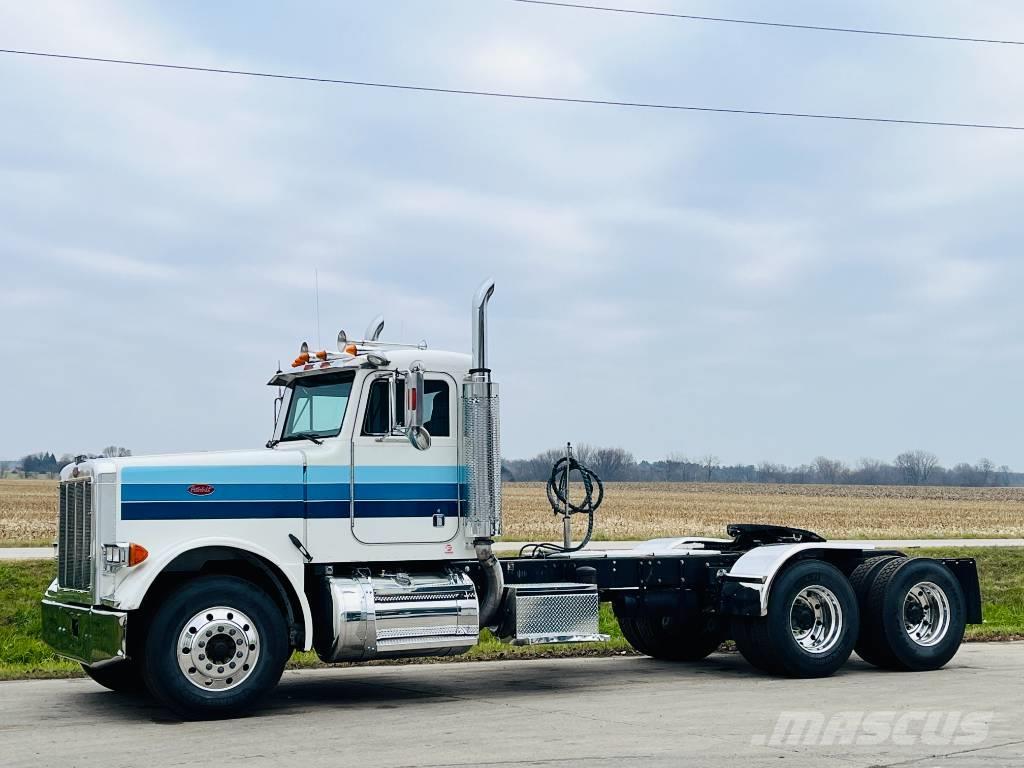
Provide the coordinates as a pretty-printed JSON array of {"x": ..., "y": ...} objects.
[
  {"x": 648, "y": 510},
  {"x": 28, "y": 512},
  {"x": 645, "y": 510}
]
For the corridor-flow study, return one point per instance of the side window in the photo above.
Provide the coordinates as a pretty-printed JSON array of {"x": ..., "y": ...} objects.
[
  {"x": 436, "y": 411},
  {"x": 436, "y": 408},
  {"x": 376, "y": 420}
]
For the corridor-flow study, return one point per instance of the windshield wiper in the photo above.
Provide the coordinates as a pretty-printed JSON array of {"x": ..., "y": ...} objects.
[{"x": 301, "y": 435}]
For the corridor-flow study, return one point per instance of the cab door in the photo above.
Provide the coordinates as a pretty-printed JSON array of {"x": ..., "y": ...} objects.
[{"x": 400, "y": 494}]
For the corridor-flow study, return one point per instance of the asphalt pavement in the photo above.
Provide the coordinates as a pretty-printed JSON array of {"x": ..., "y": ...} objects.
[{"x": 560, "y": 713}]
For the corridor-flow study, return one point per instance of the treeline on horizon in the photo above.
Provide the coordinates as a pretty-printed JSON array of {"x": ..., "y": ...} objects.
[
  {"x": 48, "y": 464},
  {"x": 916, "y": 467}
]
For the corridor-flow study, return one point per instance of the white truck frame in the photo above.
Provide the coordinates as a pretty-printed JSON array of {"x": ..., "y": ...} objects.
[{"x": 365, "y": 530}]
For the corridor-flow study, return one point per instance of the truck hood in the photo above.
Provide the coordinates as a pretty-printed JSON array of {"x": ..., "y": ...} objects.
[{"x": 196, "y": 467}]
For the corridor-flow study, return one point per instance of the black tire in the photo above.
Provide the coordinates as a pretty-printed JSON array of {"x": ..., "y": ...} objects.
[
  {"x": 890, "y": 607},
  {"x": 120, "y": 676},
  {"x": 206, "y": 610},
  {"x": 770, "y": 643},
  {"x": 862, "y": 578},
  {"x": 668, "y": 638},
  {"x": 632, "y": 634}
]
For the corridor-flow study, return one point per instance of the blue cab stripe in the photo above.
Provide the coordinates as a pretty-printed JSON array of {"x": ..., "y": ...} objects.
[
  {"x": 217, "y": 510},
  {"x": 233, "y": 510},
  {"x": 221, "y": 492},
  {"x": 210, "y": 474},
  {"x": 440, "y": 474}
]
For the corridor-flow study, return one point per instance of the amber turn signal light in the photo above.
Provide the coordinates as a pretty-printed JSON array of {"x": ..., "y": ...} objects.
[{"x": 136, "y": 554}]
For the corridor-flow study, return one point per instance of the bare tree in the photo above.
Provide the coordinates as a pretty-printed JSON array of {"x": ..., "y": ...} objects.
[
  {"x": 985, "y": 468},
  {"x": 611, "y": 463},
  {"x": 829, "y": 470},
  {"x": 709, "y": 463},
  {"x": 916, "y": 466},
  {"x": 115, "y": 451}
]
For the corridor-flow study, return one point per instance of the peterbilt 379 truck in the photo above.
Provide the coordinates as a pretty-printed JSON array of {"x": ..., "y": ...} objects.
[{"x": 365, "y": 530}]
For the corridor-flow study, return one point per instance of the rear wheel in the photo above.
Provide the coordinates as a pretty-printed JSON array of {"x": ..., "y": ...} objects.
[
  {"x": 862, "y": 578},
  {"x": 811, "y": 625},
  {"x": 668, "y": 638},
  {"x": 215, "y": 647},
  {"x": 120, "y": 676},
  {"x": 915, "y": 617}
]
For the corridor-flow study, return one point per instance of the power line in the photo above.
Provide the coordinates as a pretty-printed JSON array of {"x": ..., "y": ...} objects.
[
  {"x": 518, "y": 96},
  {"x": 779, "y": 24}
]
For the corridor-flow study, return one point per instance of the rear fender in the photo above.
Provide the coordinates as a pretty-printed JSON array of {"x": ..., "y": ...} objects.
[{"x": 747, "y": 585}]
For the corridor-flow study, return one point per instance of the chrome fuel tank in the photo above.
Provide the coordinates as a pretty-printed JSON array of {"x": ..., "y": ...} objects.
[{"x": 367, "y": 617}]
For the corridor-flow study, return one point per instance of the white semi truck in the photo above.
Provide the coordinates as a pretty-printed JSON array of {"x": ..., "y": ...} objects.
[{"x": 364, "y": 530}]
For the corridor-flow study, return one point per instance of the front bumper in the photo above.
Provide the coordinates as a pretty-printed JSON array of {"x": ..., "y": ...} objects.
[{"x": 85, "y": 634}]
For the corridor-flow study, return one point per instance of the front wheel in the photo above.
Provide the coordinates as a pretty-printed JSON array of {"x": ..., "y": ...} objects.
[
  {"x": 215, "y": 646},
  {"x": 811, "y": 626},
  {"x": 120, "y": 676}
]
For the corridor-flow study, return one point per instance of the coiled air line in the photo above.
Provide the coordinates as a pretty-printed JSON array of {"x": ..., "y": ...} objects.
[{"x": 561, "y": 504}]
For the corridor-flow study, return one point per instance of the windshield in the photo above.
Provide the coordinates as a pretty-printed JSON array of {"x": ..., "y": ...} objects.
[{"x": 317, "y": 406}]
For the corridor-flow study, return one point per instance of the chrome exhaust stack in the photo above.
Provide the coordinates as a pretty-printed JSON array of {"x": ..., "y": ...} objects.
[
  {"x": 480, "y": 420},
  {"x": 480, "y": 301}
]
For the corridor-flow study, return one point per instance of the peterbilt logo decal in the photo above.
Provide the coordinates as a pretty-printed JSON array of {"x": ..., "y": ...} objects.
[{"x": 200, "y": 489}]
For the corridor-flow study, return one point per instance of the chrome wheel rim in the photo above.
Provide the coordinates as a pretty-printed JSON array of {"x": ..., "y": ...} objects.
[
  {"x": 218, "y": 649},
  {"x": 816, "y": 618},
  {"x": 926, "y": 614}
]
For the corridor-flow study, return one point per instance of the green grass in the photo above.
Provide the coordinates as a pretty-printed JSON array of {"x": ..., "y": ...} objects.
[{"x": 24, "y": 655}]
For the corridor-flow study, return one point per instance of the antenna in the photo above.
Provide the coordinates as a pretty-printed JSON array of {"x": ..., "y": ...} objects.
[{"x": 316, "y": 290}]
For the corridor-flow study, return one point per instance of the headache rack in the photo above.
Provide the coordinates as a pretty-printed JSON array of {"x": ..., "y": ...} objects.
[{"x": 74, "y": 534}]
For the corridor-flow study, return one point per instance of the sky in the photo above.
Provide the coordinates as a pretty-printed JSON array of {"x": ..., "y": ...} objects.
[{"x": 762, "y": 289}]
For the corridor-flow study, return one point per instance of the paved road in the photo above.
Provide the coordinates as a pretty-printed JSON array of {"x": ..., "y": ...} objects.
[
  {"x": 35, "y": 553},
  {"x": 566, "y": 713}
]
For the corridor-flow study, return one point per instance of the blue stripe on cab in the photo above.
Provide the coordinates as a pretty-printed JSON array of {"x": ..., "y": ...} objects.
[
  {"x": 221, "y": 492},
  {"x": 441, "y": 474},
  {"x": 406, "y": 508},
  {"x": 407, "y": 491},
  {"x": 215, "y": 510},
  {"x": 211, "y": 475}
]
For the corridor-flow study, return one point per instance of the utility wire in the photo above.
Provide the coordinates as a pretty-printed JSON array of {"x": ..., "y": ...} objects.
[
  {"x": 518, "y": 96},
  {"x": 778, "y": 24}
]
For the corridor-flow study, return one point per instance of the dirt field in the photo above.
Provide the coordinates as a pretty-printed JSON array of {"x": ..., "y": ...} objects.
[
  {"x": 28, "y": 511},
  {"x": 640, "y": 511},
  {"x": 647, "y": 510}
]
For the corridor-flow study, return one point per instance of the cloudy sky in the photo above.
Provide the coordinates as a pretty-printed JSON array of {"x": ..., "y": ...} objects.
[{"x": 760, "y": 288}]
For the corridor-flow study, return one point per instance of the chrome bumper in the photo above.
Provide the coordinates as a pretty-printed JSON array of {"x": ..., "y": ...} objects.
[{"x": 85, "y": 634}]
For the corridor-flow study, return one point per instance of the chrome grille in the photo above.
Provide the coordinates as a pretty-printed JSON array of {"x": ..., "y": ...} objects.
[{"x": 74, "y": 535}]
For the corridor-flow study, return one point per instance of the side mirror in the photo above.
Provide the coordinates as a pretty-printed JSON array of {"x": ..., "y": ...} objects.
[
  {"x": 414, "y": 429},
  {"x": 419, "y": 437}
]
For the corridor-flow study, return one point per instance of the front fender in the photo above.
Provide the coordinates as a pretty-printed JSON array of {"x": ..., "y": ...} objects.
[{"x": 133, "y": 583}]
